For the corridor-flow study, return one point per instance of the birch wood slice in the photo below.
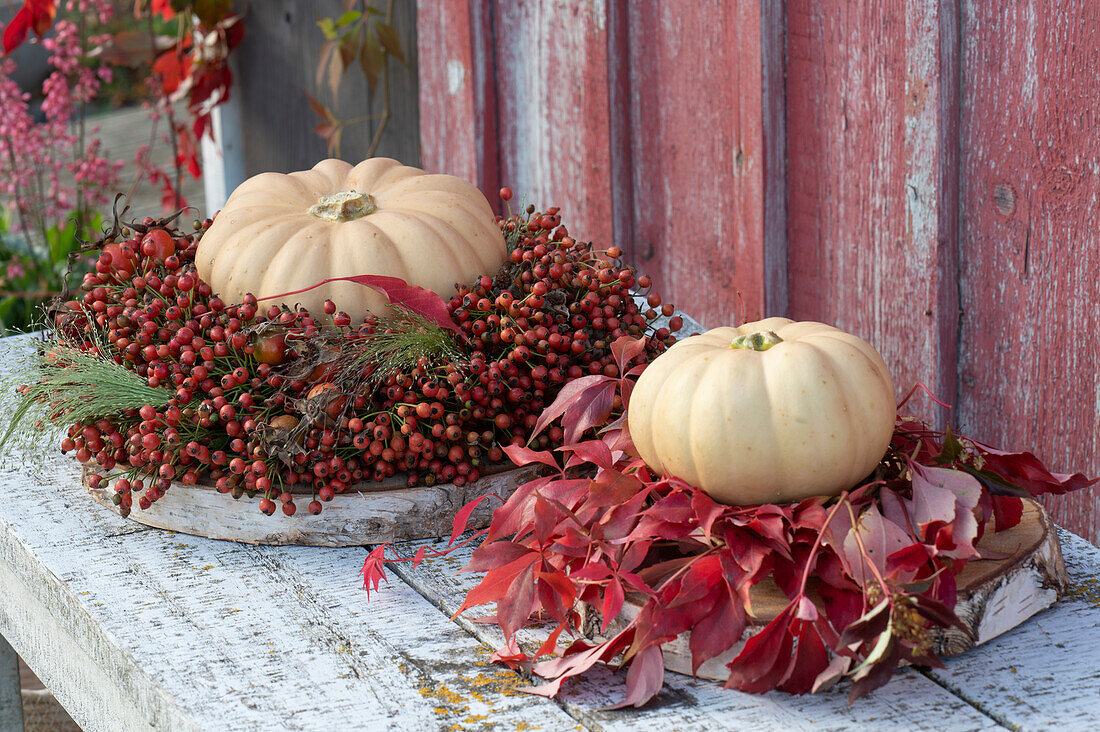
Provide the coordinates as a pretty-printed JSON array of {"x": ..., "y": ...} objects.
[
  {"x": 372, "y": 513},
  {"x": 994, "y": 595}
]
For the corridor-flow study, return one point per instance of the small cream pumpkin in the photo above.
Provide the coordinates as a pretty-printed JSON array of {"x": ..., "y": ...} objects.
[
  {"x": 771, "y": 412},
  {"x": 278, "y": 233}
]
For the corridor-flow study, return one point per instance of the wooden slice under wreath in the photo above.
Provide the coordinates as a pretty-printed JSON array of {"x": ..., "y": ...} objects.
[
  {"x": 371, "y": 513},
  {"x": 1025, "y": 574}
]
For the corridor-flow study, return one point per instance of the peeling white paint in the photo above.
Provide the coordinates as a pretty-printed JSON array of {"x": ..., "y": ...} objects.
[{"x": 456, "y": 76}]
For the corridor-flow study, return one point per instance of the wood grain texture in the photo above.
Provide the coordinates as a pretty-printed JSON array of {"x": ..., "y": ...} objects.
[
  {"x": 994, "y": 596},
  {"x": 136, "y": 628},
  {"x": 1030, "y": 195},
  {"x": 909, "y": 702},
  {"x": 11, "y": 699},
  {"x": 368, "y": 516},
  {"x": 551, "y": 67},
  {"x": 277, "y": 64},
  {"x": 699, "y": 154},
  {"x": 457, "y": 92},
  {"x": 871, "y": 235},
  {"x": 1043, "y": 674}
]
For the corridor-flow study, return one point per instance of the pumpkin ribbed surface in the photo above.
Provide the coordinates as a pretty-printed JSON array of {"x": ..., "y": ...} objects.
[
  {"x": 809, "y": 413},
  {"x": 278, "y": 233}
]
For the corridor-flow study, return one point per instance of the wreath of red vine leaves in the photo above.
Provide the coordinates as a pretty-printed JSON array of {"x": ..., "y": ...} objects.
[{"x": 869, "y": 575}]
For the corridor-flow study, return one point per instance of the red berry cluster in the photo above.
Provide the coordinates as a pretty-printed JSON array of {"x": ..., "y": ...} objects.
[
  {"x": 260, "y": 401},
  {"x": 549, "y": 316}
]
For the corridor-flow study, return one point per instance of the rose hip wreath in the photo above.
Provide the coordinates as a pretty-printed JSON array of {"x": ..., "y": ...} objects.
[{"x": 161, "y": 381}]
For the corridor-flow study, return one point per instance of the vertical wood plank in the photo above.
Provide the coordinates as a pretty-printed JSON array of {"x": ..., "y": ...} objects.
[
  {"x": 278, "y": 63},
  {"x": 457, "y": 87},
  {"x": 699, "y": 153},
  {"x": 554, "y": 117},
  {"x": 1030, "y": 193},
  {"x": 11, "y": 697},
  {"x": 871, "y": 109}
]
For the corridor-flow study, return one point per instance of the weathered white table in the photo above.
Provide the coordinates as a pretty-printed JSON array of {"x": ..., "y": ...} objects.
[{"x": 134, "y": 628}]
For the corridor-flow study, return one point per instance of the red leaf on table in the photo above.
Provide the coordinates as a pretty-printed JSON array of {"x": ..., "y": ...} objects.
[
  {"x": 716, "y": 632},
  {"x": 497, "y": 583},
  {"x": 809, "y": 659},
  {"x": 645, "y": 677},
  {"x": 510, "y": 655},
  {"x": 517, "y": 603},
  {"x": 578, "y": 658},
  {"x": 521, "y": 456},
  {"x": 613, "y": 599},
  {"x": 764, "y": 660},
  {"x": 494, "y": 554},
  {"x": 374, "y": 569},
  {"x": 421, "y": 301}
]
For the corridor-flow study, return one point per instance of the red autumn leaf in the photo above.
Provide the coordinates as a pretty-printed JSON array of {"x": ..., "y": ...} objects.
[
  {"x": 574, "y": 400},
  {"x": 551, "y": 643},
  {"x": 36, "y": 15},
  {"x": 524, "y": 456},
  {"x": 172, "y": 66},
  {"x": 613, "y": 600},
  {"x": 163, "y": 8},
  {"x": 497, "y": 583},
  {"x": 1024, "y": 470},
  {"x": 717, "y": 631},
  {"x": 374, "y": 569},
  {"x": 625, "y": 349},
  {"x": 495, "y": 554},
  {"x": 517, "y": 603},
  {"x": 419, "y": 300},
  {"x": 810, "y": 659},
  {"x": 1007, "y": 511},
  {"x": 462, "y": 518},
  {"x": 578, "y": 658},
  {"x": 595, "y": 452},
  {"x": 645, "y": 677},
  {"x": 764, "y": 660},
  {"x": 511, "y": 655}
]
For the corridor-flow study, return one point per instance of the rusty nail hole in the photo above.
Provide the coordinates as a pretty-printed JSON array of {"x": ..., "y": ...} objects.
[
  {"x": 648, "y": 250},
  {"x": 1004, "y": 198}
]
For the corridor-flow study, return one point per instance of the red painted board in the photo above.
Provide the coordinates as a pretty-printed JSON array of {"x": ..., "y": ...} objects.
[
  {"x": 552, "y": 99},
  {"x": 871, "y": 174},
  {"x": 698, "y": 154},
  {"x": 1030, "y": 358},
  {"x": 458, "y": 122}
]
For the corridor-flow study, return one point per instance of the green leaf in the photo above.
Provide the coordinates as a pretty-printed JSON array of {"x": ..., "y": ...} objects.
[
  {"x": 371, "y": 60},
  {"x": 387, "y": 36},
  {"x": 347, "y": 18},
  {"x": 328, "y": 28}
]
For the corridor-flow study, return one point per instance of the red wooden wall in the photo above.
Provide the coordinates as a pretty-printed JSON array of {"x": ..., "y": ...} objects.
[{"x": 923, "y": 173}]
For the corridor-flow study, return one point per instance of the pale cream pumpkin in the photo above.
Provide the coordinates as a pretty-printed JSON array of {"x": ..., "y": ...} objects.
[
  {"x": 773, "y": 411},
  {"x": 278, "y": 233}
]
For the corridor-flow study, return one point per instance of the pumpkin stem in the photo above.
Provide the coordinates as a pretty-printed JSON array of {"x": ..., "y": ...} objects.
[
  {"x": 343, "y": 206},
  {"x": 760, "y": 340}
]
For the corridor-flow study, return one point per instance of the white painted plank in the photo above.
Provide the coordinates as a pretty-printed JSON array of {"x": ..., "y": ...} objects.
[
  {"x": 909, "y": 702},
  {"x": 1046, "y": 672},
  {"x": 11, "y": 700}
]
